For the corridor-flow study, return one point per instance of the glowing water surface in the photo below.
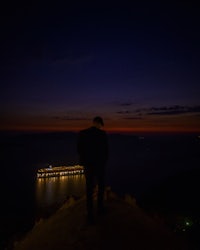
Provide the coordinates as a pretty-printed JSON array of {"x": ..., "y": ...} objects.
[{"x": 55, "y": 190}]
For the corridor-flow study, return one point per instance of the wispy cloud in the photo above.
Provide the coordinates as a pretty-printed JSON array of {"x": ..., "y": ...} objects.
[
  {"x": 133, "y": 118},
  {"x": 124, "y": 112},
  {"x": 160, "y": 111},
  {"x": 70, "y": 118},
  {"x": 173, "y": 110},
  {"x": 125, "y": 104}
]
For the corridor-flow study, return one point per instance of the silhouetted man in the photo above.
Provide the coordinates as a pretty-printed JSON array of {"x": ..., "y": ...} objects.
[{"x": 93, "y": 152}]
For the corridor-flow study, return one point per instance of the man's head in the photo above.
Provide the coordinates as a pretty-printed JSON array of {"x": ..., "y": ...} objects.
[{"x": 98, "y": 122}]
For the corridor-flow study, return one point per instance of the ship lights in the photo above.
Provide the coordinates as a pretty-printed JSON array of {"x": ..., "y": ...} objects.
[{"x": 60, "y": 171}]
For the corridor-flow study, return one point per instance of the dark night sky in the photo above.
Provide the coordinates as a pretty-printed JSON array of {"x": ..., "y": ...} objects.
[{"x": 137, "y": 65}]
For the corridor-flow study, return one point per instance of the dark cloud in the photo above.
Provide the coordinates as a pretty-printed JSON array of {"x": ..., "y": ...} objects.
[
  {"x": 68, "y": 118},
  {"x": 195, "y": 109},
  {"x": 124, "y": 112},
  {"x": 125, "y": 104},
  {"x": 173, "y": 110},
  {"x": 133, "y": 118},
  {"x": 163, "y": 110}
]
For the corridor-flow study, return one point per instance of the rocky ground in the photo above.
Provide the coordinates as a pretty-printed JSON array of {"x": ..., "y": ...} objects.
[{"x": 124, "y": 226}]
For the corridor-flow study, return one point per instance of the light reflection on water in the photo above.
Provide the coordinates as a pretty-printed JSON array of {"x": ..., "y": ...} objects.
[{"x": 56, "y": 189}]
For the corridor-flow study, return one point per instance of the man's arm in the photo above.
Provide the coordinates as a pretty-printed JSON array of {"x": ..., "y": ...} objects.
[
  {"x": 106, "y": 147},
  {"x": 79, "y": 144}
]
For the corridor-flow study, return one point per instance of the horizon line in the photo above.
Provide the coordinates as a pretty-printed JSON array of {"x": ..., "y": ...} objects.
[{"x": 109, "y": 131}]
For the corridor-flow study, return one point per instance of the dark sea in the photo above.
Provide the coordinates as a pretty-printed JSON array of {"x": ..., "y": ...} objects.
[{"x": 161, "y": 171}]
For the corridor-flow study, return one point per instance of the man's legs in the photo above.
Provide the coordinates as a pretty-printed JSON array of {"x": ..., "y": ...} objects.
[
  {"x": 101, "y": 189},
  {"x": 89, "y": 193}
]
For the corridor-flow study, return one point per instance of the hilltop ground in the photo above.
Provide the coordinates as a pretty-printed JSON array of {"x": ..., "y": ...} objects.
[{"x": 124, "y": 226}]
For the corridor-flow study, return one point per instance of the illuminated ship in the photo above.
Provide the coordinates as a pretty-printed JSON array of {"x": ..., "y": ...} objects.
[{"x": 59, "y": 171}]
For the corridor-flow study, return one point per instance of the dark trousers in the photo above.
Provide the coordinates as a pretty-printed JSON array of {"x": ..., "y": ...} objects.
[{"x": 94, "y": 175}]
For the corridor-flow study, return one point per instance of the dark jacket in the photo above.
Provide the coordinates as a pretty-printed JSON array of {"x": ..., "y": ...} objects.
[{"x": 92, "y": 147}]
